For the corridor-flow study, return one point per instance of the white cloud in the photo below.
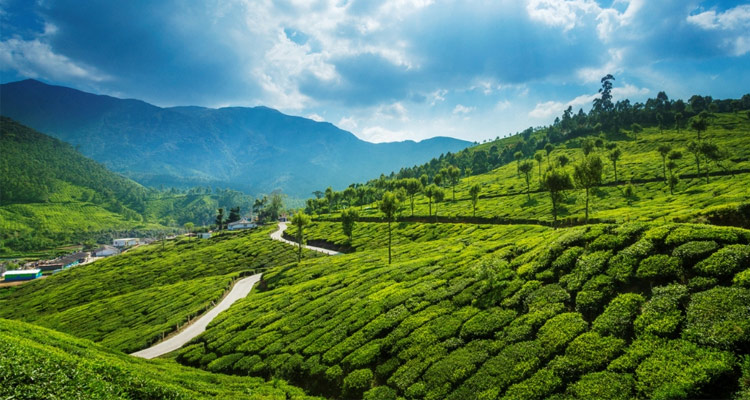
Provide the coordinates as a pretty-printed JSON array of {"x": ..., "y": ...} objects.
[
  {"x": 461, "y": 109},
  {"x": 561, "y": 13},
  {"x": 315, "y": 117},
  {"x": 734, "y": 18},
  {"x": 378, "y": 134},
  {"x": 551, "y": 109},
  {"x": 547, "y": 109},
  {"x": 392, "y": 111},
  {"x": 502, "y": 105},
  {"x": 36, "y": 59},
  {"x": 613, "y": 66},
  {"x": 347, "y": 123}
]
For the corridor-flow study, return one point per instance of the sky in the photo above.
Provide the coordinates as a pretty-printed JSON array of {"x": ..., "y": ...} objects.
[{"x": 385, "y": 70}]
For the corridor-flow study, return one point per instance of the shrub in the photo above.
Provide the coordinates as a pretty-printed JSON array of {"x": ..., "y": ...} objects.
[
  {"x": 662, "y": 314},
  {"x": 622, "y": 267},
  {"x": 543, "y": 383},
  {"x": 719, "y": 317},
  {"x": 380, "y": 393},
  {"x": 617, "y": 318},
  {"x": 742, "y": 278},
  {"x": 559, "y": 330},
  {"x": 659, "y": 266},
  {"x": 487, "y": 322},
  {"x": 700, "y": 283},
  {"x": 545, "y": 295},
  {"x": 691, "y": 252},
  {"x": 457, "y": 365},
  {"x": 589, "y": 302},
  {"x": 590, "y": 351},
  {"x": 224, "y": 363},
  {"x": 685, "y": 233},
  {"x": 726, "y": 261},
  {"x": 638, "y": 350},
  {"x": 357, "y": 382},
  {"x": 680, "y": 370},
  {"x": 607, "y": 242},
  {"x": 603, "y": 385},
  {"x": 567, "y": 260},
  {"x": 515, "y": 362},
  {"x": 586, "y": 267}
]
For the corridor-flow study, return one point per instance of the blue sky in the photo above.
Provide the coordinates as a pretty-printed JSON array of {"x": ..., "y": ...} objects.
[{"x": 384, "y": 70}]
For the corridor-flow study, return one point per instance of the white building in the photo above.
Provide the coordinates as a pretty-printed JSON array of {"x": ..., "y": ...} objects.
[
  {"x": 125, "y": 242},
  {"x": 204, "y": 235},
  {"x": 241, "y": 224}
]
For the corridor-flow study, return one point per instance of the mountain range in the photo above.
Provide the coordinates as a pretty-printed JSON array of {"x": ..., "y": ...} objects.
[{"x": 255, "y": 150}]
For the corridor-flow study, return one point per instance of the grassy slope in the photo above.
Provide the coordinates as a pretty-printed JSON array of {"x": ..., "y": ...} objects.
[
  {"x": 129, "y": 301},
  {"x": 599, "y": 311},
  {"x": 38, "y": 363},
  {"x": 640, "y": 160}
]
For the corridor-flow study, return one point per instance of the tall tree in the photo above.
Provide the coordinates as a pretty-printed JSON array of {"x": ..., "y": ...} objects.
[
  {"x": 517, "y": 155},
  {"x": 711, "y": 153},
  {"x": 588, "y": 174},
  {"x": 539, "y": 156},
  {"x": 557, "y": 181},
  {"x": 454, "y": 176},
  {"x": 388, "y": 206},
  {"x": 234, "y": 215},
  {"x": 331, "y": 197},
  {"x": 673, "y": 156},
  {"x": 562, "y": 160},
  {"x": 429, "y": 192},
  {"x": 350, "y": 194},
  {"x": 220, "y": 219},
  {"x": 548, "y": 149},
  {"x": 614, "y": 156},
  {"x": 699, "y": 123},
  {"x": 438, "y": 197},
  {"x": 526, "y": 168},
  {"x": 695, "y": 148},
  {"x": 474, "y": 193},
  {"x": 660, "y": 122},
  {"x": 678, "y": 121},
  {"x": 348, "y": 220},
  {"x": 664, "y": 150},
  {"x": 412, "y": 187},
  {"x": 636, "y": 128},
  {"x": 299, "y": 221},
  {"x": 587, "y": 146}
]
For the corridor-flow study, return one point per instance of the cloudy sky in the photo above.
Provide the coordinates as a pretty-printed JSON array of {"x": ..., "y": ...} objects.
[{"x": 385, "y": 70}]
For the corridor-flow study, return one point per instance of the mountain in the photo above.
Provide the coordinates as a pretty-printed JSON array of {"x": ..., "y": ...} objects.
[{"x": 251, "y": 149}]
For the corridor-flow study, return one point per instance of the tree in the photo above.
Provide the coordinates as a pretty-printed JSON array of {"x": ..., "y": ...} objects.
[
  {"x": 299, "y": 221},
  {"x": 454, "y": 176},
  {"x": 664, "y": 150},
  {"x": 526, "y": 168},
  {"x": 587, "y": 146},
  {"x": 438, "y": 179},
  {"x": 695, "y": 148},
  {"x": 588, "y": 174},
  {"x": 388, "y": 206},
  {"x": 234, "y": 215},
  {"x": 548, "y": 149},
  {"x": 660, "y": 122},
  {"x": 673, "y": 180},
  {"x": 711, "y": 153},
  {"x": 259, "y": 205},
  {"x": 614, "y": 155},
  {"x": 539, "y": 156},
  {"x": 636, "y": 128},
  {"x": 517, "y": 155},
  {"x": 220, "y": 219},
  {"x": 424, "y": 179},
  {"x": 699, "y": 123},
  {"x": 429, "y": 192},
  {"x": 563, "y": 160},
  {"x": 350, "y": 194},
  {"x": 474, "y": 193},
  {"x": 348, "y": 220},
  {"x": 189, "y": 227},
  {"x": 438, "y": 196},
  {"x": 557, "y": 181},
  {"x": 330, "y": 196},
  {"x": 412, "y": 187},
  {"x": 677, "y": 121}
]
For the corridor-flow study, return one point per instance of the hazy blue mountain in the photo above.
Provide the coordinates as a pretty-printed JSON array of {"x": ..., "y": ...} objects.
[{"x": 255, "y": 149}]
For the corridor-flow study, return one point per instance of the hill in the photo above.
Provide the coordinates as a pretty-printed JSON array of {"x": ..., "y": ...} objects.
[
  {"x": 38, "y": 363},
  {"x": 510, "y": 312},
  {"x": 256, "y": 150}
]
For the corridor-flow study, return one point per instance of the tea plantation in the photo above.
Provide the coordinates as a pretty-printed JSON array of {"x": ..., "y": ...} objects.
[
  {"x": 130, "y": 301},
  {"x": 634, "y": 310},
  {"x": 38, "y": 363}
]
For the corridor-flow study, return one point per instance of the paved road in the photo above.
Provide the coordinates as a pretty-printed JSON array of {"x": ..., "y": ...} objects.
[
  {"x": 278, "y": 236},
  {"x": 240, "y": 289}
]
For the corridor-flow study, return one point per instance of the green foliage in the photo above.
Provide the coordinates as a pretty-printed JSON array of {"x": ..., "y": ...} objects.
[
  {"x": 681, "y": 370},
  {"x": 485, "y": 323},
  {"x": 560, "y": 330},
  {"x": 726, "y": 261},
  {"x": 36, "y": 363},
  {"x": 660, "y": 266},
  {"x": 719, "y": 317},
  {"x": 603, "y": 385},
  {"x": 617, "y": 318},
  {"x": 357, "y": 382},
  {"x": 662, "y": 314},
  {"x": 691, "y": 252}
]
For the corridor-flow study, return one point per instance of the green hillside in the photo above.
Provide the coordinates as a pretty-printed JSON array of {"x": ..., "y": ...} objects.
[
  {"x": 38, "y": 363},
  {"x": 639, "y": 194},
  {"x": 128, "y": 302},
  {"x": 511, "y": 312}
]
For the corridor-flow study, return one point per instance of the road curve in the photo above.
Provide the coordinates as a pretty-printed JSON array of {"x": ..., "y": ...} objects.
[
  {"x": 240, "y": 289},
  {"x": 277, "y": 235}
]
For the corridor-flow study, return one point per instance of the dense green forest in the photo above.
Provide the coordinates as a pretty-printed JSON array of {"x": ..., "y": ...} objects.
[{"x": 52, "y": 195}]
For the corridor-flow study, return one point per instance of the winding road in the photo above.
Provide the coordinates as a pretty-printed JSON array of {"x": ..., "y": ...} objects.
[
  {"x": 278, "y": 235},
  {"x": 240, "y": 289}
]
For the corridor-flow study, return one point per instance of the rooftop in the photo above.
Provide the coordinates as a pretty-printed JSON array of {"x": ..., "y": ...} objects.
[{"x": 22, "y": 272}]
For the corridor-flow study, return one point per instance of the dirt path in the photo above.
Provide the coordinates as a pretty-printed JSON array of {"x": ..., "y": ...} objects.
[
  {"x": 240, "y": 289},
  {"x": 277, "y": 235}
]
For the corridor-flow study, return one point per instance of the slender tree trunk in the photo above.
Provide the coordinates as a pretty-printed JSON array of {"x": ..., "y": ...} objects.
[
  {"x": 587, "y": 204},
  {"x": 554, "y": 210},
  {"x": 664, "y": 167},
  {"x": 454, "y": 192},
  {"x": 389, "y": 241},
  {"x": 412, "y": 205},
  {"x": 430, "y": 214},
  {"x": 299, "y": 242},
  {"x": 528, "y": 188}
]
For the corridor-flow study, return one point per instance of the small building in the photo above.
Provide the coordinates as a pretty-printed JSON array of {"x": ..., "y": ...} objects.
[
  {"x": 106, "y": 251},
  {"x": 22, "y": 274},
  {"x": 241, "y": 224},
  {"x": 205, "y": 235},
  {"x": 125, "y": 242},
  {"x": 64, "y": 262}
]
